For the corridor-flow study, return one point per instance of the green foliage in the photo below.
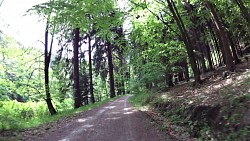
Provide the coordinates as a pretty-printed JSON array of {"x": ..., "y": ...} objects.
[
  {"x": 20, "y": 70},
  {"x": 152, "y": 72},
  {"x": 15, "y": 115},
  {"x": 139, "y": 99}
]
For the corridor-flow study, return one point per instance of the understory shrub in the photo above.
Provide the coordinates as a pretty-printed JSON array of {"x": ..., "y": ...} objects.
[{"x": 13, "y": 113}]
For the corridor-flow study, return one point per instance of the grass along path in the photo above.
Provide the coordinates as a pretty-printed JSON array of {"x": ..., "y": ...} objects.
[{"x": 44, "y": 123}]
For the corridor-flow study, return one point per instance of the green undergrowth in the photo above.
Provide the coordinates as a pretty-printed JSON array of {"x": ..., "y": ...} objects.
[
  {"x": 16, "y": 116},
  {"x": 139, "y": 99},
  {"x": 227, "y": 119}
]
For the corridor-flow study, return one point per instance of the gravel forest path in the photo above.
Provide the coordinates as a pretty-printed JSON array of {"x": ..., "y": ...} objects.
[{"x": 114, "y": 121}]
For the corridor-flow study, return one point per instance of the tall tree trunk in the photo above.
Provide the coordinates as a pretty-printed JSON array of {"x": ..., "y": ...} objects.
[
  {"x": 186, "y": 40},
  {"x": 202, "y": 59},
  {"x": 186, "y": 72},
  {"x": 209, "y": 58},
  {"x": 233, "y": 47},
  {"x": 195, "y": 33},
  {"x": 111, "y": 70},
  {"x": 220, "y": 47},
  {"x": 47, "y": 56},
  {"x": 216, "y": 46},
  {"x": 224, "y": 37},
  {"x": 123, "y": 85},
  {"x": 207, "y": 51},
  {"x": 86, "y": 91},
  {"x": 121, "y": 75},
  {"x": 239, "y": 48},
  {"x": 118, "y": 85},
  {"x": 128, "y": 77},
  {"x": 77, "y": 94},
  {"x": 90, "y": 73}
]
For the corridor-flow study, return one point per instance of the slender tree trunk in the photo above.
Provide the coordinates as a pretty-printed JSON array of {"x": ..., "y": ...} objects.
[
  {"x": 86, "y": 91},
  {"x": 209, "y": 58},
  {"x": 220, "y": 48},
  {"x": 202, "y": 59},
  {"x": 216, "y": 47},
  {"x": 186, "y": 40},
  {"x": 123, "y": 85},
  {"x": 207, "y": 51},
  {"x": 118, "y": 85},
  {"x": 122, "y": 79},
  {"x": 233, "y": 47},
  {"x": 90, "y": 73},
  {"x": 195, "y": 33},
  {"x": 186, "y": 71},
  {"x": 218, "y": 42},
  {"x": 223, "y": 34},
  {"x": 128, "y": 77},
  {"x": 111, "y": 70},
  {"x": 77, "y": 94},
  {"x": 47, "y": 56},
  {"x": 239, "y": 48}
]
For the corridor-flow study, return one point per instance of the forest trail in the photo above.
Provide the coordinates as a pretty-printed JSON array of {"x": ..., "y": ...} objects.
[{"x": 115, "y": 121}]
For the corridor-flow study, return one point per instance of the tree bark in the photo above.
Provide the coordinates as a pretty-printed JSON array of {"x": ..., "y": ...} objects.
[
  {"x": 47, "y": 56},
  {"x": 86, "y": 91},
  {"x": 216, "y": 46},
  {"x": 121, "y": 75},
  {"x": 224, "y": 37},
  {"x": 195, "y": 33},
  {"x": 111, "y": 70},
  {"x": 90, "y": 73},
  {"x": 186, "y": 71},
  {"x": 77, "y": 94},
  {"x": 233, "y": 47},
  {"x": 209, "y": 58},
  {"x": 186, "y": 40}
]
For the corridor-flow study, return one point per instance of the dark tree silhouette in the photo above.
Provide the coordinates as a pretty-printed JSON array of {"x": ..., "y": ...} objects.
[
  {"x": 47, "y": 57},
  {"x": 77, "y": 94}
]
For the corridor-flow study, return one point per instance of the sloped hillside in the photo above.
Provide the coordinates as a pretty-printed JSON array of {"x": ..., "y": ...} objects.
[{"x": 218, "y": 109}]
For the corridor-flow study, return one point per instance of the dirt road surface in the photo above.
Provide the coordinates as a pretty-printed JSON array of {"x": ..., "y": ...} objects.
[{"x": 115, "y": 121}]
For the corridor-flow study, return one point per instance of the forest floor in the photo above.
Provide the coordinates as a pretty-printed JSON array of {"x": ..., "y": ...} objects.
[
  {"x": 218, "y": 109},
  {"x": 114, "y": 121}
]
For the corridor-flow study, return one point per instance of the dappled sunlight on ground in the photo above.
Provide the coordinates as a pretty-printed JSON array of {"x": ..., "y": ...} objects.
[
  {"x": 127, "y": 109},
  {"x": 117, "y": 121},
  {"x": 110, "y": 107},
  {"x": 213, "y": 89},
  {"x": 116, "y": 111},
  {"x": 87, "y": 126},
  {"x": 113, "y": 118},
  {"x": 127, "y": 113},
  {"x": 81, "y": 120}
]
